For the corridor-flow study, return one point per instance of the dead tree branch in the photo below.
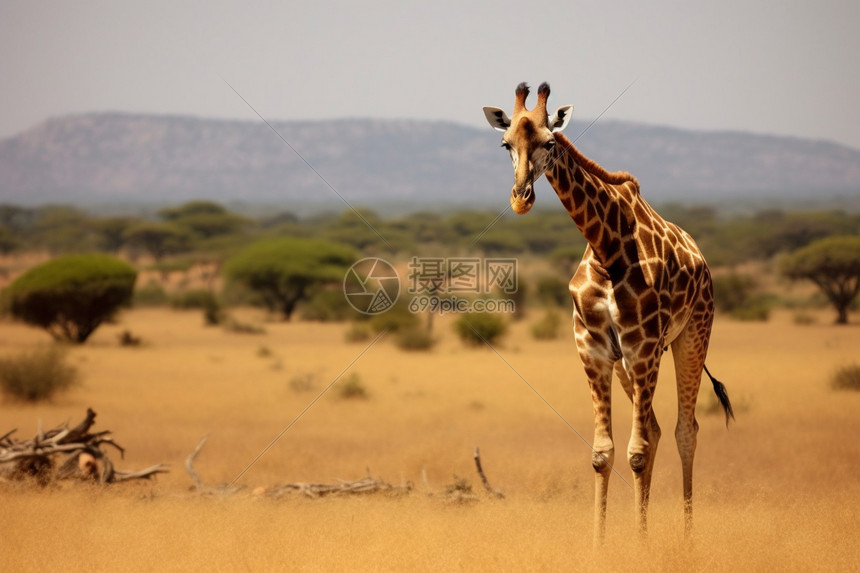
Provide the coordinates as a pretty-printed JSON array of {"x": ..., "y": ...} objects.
[
  {"x": 84, "y": 457},
  {"x": 484, "y": 480}
]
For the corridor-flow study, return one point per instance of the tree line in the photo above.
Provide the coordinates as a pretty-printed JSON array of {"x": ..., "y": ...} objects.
[{"x": 286, "y": 260}]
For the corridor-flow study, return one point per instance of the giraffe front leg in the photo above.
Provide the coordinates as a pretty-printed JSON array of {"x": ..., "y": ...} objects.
[
  {"x": 603, "y": 450},
  {"x": 653, "y": 434},
  {"x": 644, "y": 437}
]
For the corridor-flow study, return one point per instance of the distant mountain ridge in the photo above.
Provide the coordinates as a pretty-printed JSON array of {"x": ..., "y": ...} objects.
[{"x": 154, "y": 158}]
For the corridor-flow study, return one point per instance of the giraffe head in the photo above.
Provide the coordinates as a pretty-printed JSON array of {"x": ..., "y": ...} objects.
[{"x": 528, "y": 136}]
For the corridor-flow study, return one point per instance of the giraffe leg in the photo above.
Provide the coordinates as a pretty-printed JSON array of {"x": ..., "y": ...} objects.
[
  {"x": 688, "y": 352},
  {"x": 653, "y": 434},
  {"x": 603, "y": 450}
]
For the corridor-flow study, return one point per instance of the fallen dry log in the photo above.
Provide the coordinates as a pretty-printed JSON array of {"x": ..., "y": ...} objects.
[
  {"x": 79, "y": 450},
  {"x": 366, "y": 485}
]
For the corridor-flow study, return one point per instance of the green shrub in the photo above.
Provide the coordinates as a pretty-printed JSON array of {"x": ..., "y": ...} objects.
[
  {"x": 351, "y": 388},
  {"x": 303, "y": 383},
  {"x": 230, "y": 324},
  {"x": 127, "y": 338},
  {"x": 150, "y": 295},
  {"x": 202, "y": 299},
  {"x": 804, "y": 318},
  {"x": 398, "y": 317},
  {"x": 414, "y": 338},
  {"x": 846, "y": 378},
  {"x": 73, "y": 295},
  {"x": 192, "y": 299},
  {"x": 37, "y": 375},
  {"x": 547, "y": 327},
  {"x": 736, "y": 294},
  {"x": 755, "y": 309},
  {"x": 553, "y": 291},
  {"x": 478, "y": 328},
  {"x": 328, "y": 305},
  {"x": 358, "y": 332}
]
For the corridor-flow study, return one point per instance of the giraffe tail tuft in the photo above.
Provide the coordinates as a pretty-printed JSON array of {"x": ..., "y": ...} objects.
[{"x": 722, "y": 396}]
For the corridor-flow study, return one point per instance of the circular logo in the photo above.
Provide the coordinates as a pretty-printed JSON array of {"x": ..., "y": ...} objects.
[{"x": 371, "y": 285}]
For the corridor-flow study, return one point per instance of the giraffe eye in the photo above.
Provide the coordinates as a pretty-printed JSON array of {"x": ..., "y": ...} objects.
[
  {"x": 506, "y": 145},
  {"x": 549, "y": 145}
]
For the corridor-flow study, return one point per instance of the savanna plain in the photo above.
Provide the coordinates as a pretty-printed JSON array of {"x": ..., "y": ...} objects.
[{"x": 777, "y": 490}]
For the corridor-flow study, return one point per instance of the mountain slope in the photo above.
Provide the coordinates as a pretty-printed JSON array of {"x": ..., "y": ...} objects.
[{"x": 151, "y": 158}]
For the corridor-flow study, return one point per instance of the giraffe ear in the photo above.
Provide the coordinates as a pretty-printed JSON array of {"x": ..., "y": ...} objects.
[
  {"x": 498, "y": 119},
  {"x": 560, "y": 119}
]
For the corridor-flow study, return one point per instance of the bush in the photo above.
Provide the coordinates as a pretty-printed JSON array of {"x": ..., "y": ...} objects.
[
  {"x": 351, "y": 388},
  {"x": 478, "y": 328},
  {"x": 736, "y": 295},
  {"x": 202, "y": 299},
  {"x": 358, "y": 332},
  {"x": 547, "y": 327},
  {"x": 846, "y": 378},
  {"x": 414, "y": 338},
  {"x": 553, "y": 291},
  {"x": 230, "y": 324},
  {"x": 193, "y": 299},
  {"x": 150, "y": 295},
  {"x": 37, "y": 375},
  {"x": 71, "y": 296},
  {"x": 396, "y": 318},
  {"x": 328, "y": 305}
]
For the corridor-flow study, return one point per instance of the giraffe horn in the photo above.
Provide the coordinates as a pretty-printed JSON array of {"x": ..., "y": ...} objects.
[
  {"x": 521, "y": 94},
  {"x": 543, "y": 95}
]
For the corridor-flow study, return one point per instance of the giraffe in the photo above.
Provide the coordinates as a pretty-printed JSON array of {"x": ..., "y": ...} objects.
[{"x": 642, "y": 286}]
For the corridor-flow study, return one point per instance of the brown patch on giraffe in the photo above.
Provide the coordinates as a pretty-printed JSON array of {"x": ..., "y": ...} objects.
[{"x": 563, "y": 180}]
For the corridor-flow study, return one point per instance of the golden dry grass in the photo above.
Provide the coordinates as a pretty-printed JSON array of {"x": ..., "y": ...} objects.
[{"x": 778, "y": 490}]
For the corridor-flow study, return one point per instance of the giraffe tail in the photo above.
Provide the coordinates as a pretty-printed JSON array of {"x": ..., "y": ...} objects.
[{"x": 722, "y": 396}]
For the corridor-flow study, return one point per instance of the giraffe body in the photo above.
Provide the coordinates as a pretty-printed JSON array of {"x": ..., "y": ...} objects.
[{"x": 642, "y": 286}]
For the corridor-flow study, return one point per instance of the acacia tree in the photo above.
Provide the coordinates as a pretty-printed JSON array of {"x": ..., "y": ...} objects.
[
  {"x": 71, "y": 296},
  {"x": 833, "y": 264},
  {"x": 158, "y": 239},
  {"x": 287, "y": 270}
]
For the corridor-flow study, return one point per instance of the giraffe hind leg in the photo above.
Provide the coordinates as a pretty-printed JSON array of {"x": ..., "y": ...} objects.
[{"x": 688, "y": 353}]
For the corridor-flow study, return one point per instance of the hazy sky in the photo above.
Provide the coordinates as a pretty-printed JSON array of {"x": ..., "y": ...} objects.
[{"x": 784, "y": 67}]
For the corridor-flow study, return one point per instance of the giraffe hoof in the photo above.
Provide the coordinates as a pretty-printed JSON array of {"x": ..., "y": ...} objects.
[{"x": 638, "y": 462}]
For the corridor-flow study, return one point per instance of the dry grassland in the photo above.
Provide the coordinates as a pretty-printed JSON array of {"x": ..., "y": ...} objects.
[{"x": 778, "y": 490}]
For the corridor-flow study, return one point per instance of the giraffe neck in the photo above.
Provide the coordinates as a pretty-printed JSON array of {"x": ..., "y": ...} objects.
[{"x": 599, "y": 202}]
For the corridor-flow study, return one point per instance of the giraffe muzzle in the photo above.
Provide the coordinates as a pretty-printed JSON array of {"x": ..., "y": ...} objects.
[{"x": 523, "y": 200}]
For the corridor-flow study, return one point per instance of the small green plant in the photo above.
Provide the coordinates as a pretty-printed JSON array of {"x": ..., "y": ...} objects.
[
  {"x": 150, "y": 295},
  {"x": 37, "y": 375},
  {"x": 414, "y": 338},
  {"x": 479, "y": 328},
  {"x": 126, "y": 338},
  {"x": 737, "y": 295},
  {"x": 846, "y": 378},
  {"x": 358, "y": 332},
  {"x": 230, "y": 324},
  {"x": 803, "y": 318},
  {"x": 193, "y": 299},
  {"x": 327, "y": 305},
  {"x": 398, "y": 317},
  {"x": 303, "y": 383},
  {"x": 547, "y": 327},
  {"x": 351, "y": 388},
  {"x": 553, "y": 291}
]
